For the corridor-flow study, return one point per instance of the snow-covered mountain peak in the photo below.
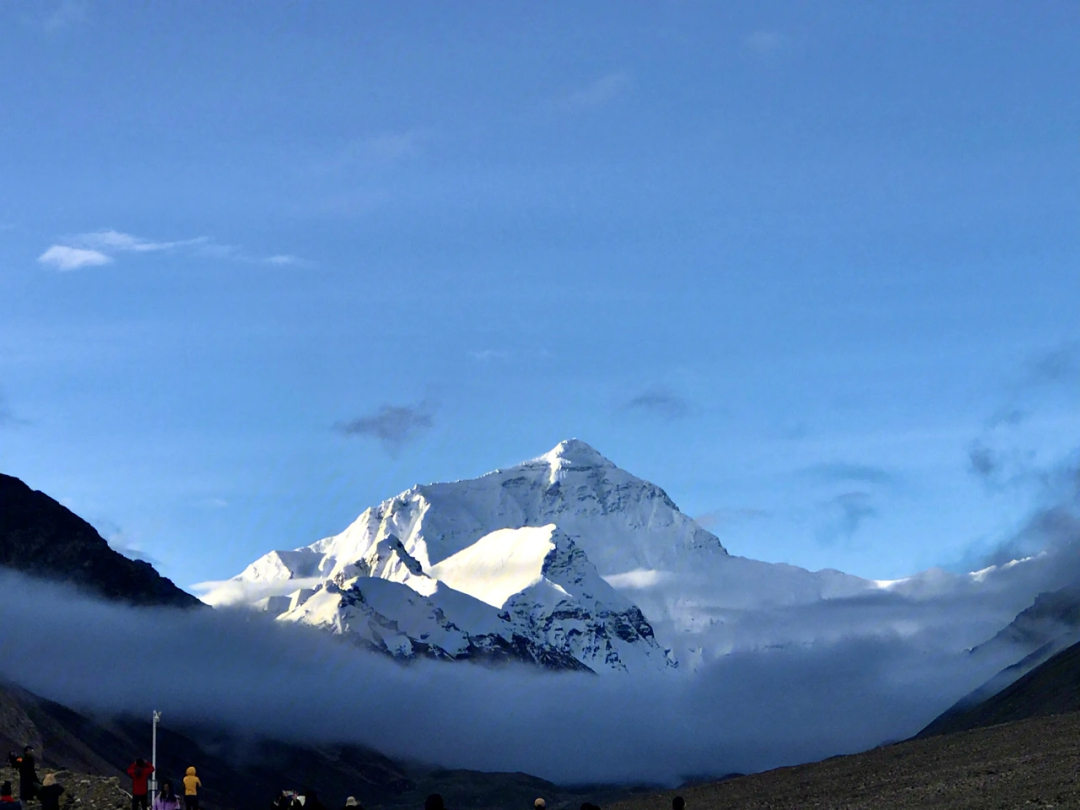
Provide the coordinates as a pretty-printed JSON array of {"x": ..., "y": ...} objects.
[
  {"x": 572, "y": 453},
  {"x": 524, "y": 550}
]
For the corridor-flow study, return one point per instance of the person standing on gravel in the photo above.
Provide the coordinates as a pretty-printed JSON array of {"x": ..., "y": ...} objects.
[
  {"x": 27, "y": 768},
  {"x": 50, "y": 792},
  {"x": 192, "y": 783},
  {"x": 140, "y": 771}
]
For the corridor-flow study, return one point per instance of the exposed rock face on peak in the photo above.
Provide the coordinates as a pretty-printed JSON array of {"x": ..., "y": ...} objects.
[{"x": 41, "y": 538}]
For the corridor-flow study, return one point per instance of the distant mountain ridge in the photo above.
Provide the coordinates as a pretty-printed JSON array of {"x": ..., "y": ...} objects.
[{"x": 44, "y": 539}]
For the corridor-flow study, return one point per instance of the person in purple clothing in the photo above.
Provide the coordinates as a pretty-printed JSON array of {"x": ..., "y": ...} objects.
[{"x": 166, "y": 798}]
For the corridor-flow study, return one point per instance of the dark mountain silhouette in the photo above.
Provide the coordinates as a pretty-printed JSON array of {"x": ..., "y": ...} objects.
[
  {"x": 41, "y": 538},
  {"x": 1053, "y": 687}
]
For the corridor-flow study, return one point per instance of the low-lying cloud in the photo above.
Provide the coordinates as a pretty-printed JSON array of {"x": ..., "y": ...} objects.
[{"x": 746, "y": 711}]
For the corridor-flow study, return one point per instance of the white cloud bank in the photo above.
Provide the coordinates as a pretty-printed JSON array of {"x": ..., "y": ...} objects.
[{"x": 746, "y": 711}]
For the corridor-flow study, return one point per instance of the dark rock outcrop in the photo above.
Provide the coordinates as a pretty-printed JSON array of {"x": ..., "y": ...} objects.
[{"x": 41, "y": 538}]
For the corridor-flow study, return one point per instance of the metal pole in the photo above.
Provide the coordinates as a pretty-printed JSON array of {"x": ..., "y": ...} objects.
[{"x": 153, "y": 756}]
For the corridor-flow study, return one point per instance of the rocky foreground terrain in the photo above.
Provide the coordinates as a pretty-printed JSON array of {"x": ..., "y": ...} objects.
[
  {"x": 1031, "y": 763},
  {"x": 81, "y": 790}
]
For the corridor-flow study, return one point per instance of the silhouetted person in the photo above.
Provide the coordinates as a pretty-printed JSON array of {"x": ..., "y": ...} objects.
[
  {"x": 311, "y": 801},
  {"x": 140, "y": 771},
  {"x": 166, "y": 798},
  {"x": 192, "y": 783},
  {"x": 678, "y": 803},
  {"x": 434, "y": 802},
  {"x": 7, "y": 801},
  {"x": 539, "y": 804},
  {"x": 283, "y": 801},
  {"x": 27, "y": 768},
  {"x": 49, "y": 793}
]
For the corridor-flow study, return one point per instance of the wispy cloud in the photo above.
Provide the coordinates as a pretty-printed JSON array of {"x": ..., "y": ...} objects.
[
  {"x": 490, "y": 355},
  {"x": 847, "y": 513},
  {"x": 388, "y": 147},
  {"x": 984, "y": 463},
  {"x": 1053, "y": 367},
  {"x": 718, "y": 518},
  {"x": 65, "y": 257},
  {"x": 764, "y": 43},
  {"x": 96, "y": 248},
  {"x": 65, "y": 15},
  {"x": 598, "y": 92},
  {"x": 375, "y": 151},
  {"x": 115, "y": 241},
  {"x": 7, "y": 418},
  {"x": 282, "y": 259},
  {"x": 392, "y": 425},
  {"x": 839, "y": 472},
  {"x": 659, "y": 401}
]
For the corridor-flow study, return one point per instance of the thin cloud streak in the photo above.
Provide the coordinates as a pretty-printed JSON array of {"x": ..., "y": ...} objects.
[
  {"x": 842, "y": 472},
  {"x": 97, "y": 248}
]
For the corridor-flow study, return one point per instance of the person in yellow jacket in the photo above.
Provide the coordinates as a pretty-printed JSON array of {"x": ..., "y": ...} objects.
[{"x": 192, "y": 783}]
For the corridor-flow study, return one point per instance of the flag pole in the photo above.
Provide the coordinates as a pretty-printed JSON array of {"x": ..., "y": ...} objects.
[{"x": 153, "y": 756}]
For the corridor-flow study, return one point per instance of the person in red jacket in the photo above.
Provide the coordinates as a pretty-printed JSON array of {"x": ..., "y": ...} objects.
[{"x": 140, "y": 771}]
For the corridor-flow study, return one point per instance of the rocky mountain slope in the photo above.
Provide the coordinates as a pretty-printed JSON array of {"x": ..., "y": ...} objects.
[
  {"x": 41, "y": 538},
  {"x": 1031, "y": 764},
  {"x": 1052, "y": 687}
]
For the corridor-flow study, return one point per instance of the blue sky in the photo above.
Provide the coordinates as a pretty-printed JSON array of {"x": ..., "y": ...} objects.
[{"x": 812, "y": 268}]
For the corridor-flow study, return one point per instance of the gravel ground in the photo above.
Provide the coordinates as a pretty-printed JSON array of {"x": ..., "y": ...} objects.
[
  {"x": 81, "y": 791},
  {"x": 1027, "y": 764}
]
